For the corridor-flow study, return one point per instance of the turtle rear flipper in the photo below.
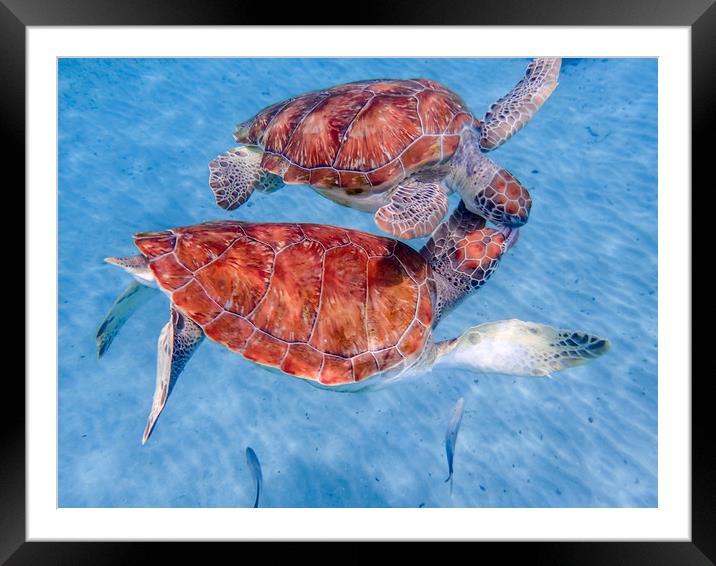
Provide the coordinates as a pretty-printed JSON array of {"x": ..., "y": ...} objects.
[
  {"x": 512, "y": 112},
  {"x": 128, "y": 302},
  {"x": 515, "y": 347},
  {"x": 462, "y": 254},
  {"x": 236, "y": 173},
  {"x": 177, "y": 342}
]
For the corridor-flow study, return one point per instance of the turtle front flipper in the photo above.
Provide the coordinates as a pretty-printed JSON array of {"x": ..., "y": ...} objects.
[
  {"x": 462, "y": 254},
  {"x": 512, "y": 112},
  {"x": 416, "y": 206},
  {"x": 235, "y": 174},
  {"x": 177, "y": 342},
  {"x": 515, "y": 347}
]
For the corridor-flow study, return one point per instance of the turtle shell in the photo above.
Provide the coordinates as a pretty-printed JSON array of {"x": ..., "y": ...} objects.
[
  {"x": 318, "y": 302},
  {"x": 364, "y": 135}
]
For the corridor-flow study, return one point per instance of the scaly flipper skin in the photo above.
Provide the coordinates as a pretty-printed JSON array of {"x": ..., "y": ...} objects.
[
  {"x": 236, "y": 173},
  {"x": 512, "y": 112},
  {"x": 462, "y": 254},
  {"x": 177, "y": 342},
  {"x": 416, "y": 207},
  {"x": 516, "y": 347},
  {"x": 459, "y": 225}
]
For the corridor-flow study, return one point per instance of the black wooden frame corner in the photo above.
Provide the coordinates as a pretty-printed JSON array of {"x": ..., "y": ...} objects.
[{"x": 16, "y": 15}]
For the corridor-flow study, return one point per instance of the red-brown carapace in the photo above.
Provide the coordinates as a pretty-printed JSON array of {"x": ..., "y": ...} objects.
[{"x": 393, "y": 147}]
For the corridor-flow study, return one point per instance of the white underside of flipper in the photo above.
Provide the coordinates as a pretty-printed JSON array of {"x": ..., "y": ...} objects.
[{"x": 515, "y": 347}]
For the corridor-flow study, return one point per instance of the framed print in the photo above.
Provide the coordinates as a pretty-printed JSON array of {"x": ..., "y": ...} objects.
[{"x": 295, "y": 233}]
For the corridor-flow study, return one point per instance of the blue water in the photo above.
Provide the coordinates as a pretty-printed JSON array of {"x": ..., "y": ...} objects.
[{"x": 135, "y": 137}]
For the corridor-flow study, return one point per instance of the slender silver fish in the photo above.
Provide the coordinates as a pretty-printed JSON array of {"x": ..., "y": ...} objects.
[
  {"x": 253, "y": 462},
  {"x": 451, "y": 436}
]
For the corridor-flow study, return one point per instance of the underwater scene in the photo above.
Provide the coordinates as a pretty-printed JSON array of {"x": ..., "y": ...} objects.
[{"x": 363, "y": 373}]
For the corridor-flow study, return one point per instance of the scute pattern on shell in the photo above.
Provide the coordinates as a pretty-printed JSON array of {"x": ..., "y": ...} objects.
[
  {"x": 319, "y": 302},
  {"x": 359, "y": 135}
]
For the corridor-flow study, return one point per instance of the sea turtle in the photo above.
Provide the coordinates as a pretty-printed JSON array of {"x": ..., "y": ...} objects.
[
  {"x": 397, "y": 148},
  {"x": 334, "y": 306}
]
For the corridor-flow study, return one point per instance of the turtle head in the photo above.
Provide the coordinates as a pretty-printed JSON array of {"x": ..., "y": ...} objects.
[
  {"x": 498, "y": 197},
  {"x": 488, "y": 189}
]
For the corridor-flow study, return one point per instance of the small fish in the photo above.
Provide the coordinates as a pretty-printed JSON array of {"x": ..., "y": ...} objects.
[
  {"x": 451, "y": 436},
  {"x": 253, "y": 462}
]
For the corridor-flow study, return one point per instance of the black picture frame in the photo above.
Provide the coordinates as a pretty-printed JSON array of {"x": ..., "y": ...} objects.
[{"x": 16, "y": 15}]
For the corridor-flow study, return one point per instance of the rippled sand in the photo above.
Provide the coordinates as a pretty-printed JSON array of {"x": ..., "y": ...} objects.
[{"x": 135, "y": 137}]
